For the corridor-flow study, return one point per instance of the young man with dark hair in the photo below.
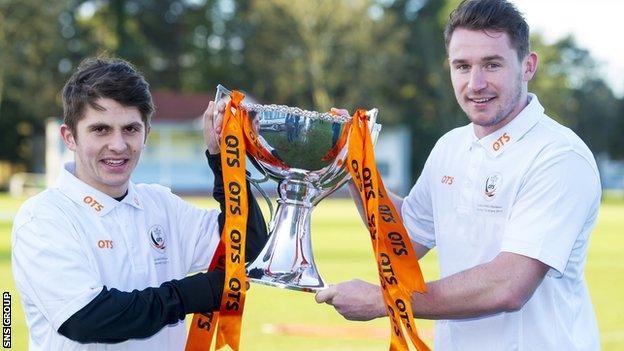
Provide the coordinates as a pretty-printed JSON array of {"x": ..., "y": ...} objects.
[
  {"x": 509, "y": 200},
  {"x": 98, "y": 259}
]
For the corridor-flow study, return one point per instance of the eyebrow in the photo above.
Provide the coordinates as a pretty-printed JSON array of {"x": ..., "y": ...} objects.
[
  {"x": 493, "y": 57},
  {"x": 458, "y": 61},
  {"x": 136, "y": 125},
  {"x": 483, "y": 59},
  {"x": 96, "y": 125}
]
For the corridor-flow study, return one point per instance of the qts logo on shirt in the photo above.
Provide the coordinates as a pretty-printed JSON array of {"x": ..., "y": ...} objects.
[
  {"x": 157, "y": 238},
  {"x": 501, "y": 141},
  {"x": 105, "y": 244},
  {"x": 93, "y": 203}
]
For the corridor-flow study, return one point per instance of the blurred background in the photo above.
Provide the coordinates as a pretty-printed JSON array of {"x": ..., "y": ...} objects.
[
  {"x": 313, "y": 54},
  {"x": 316, "y": 54}
]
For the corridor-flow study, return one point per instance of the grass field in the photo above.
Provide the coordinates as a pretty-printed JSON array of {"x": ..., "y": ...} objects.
[{"x": 277, "y": 319}]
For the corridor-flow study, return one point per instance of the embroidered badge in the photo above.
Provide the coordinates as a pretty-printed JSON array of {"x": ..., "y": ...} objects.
[
  {"x": 492, "y": 184},
  {"x": 157, "y": 238}
]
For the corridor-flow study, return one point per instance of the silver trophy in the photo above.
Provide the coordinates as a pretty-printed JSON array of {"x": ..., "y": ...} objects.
[{"x": 305, "y": 152}]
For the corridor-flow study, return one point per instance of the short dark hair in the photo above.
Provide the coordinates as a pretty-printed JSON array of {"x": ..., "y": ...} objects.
[
  {"x": 495, "y": 15},
  {"x": 103, "y": 77}
]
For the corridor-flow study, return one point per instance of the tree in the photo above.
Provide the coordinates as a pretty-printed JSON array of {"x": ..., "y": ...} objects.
[
  {"x": 616, "y": 142},
  {"x": 319, "y": 54},
  {"x": 424, "y": 91},
  {"x": 571, "y": 90},
  {"x": 364, "y": 53},
  {"x": 32, "y": 52}
]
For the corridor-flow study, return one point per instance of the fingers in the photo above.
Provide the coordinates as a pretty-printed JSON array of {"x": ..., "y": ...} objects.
[
  {"x": 218, "y": 120},
  {"x": 355, "y": 300},
  {"x": 209, "y": 115},
  {"x": 211, "y": 135},
  {"x": 221, "y": 106},
  {"x": 218, "y": 123},
  {"x": 339, "y": 111},
  {"x": 326, "y": 295}
]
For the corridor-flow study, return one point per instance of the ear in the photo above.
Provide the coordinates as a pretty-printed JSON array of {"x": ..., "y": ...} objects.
[
  {"x": 529, "y": 66},
  {"x": 68, "y": 137},
  {"x": 147, "y": 131}
]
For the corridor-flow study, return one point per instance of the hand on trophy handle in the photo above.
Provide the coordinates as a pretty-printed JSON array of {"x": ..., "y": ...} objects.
[
  {"x": 213, "y": 126},
  {"x": 355, "y": 300}
]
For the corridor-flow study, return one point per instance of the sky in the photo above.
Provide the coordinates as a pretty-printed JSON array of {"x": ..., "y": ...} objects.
[{"x": 597, "y": 25}]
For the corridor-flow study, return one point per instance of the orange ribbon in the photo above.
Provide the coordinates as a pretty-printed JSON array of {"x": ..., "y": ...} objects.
[
  {"x": 229, "y": 319},
  {"x": 397, "y": 263}
]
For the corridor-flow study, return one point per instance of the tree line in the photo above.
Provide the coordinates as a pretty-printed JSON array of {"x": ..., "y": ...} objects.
[{"x": 314, "y": 54}]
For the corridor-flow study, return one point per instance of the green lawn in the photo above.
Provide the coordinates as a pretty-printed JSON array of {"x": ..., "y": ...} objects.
[{"x": 278, "y": 319}]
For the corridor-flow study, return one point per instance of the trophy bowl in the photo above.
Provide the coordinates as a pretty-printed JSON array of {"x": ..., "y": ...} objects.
[{"x": 305, "y": 153}]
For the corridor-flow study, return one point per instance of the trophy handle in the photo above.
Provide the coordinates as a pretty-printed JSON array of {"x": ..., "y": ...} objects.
[
  {"x": 256, "y": 183},
  {"x": 222, "y": 93},
  {"x": 372, "y": 116}
]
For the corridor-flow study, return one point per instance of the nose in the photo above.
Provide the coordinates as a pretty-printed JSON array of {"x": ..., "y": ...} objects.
[
  {"x": 477, "y": 80},
  {"x": 117, "y": 142}
]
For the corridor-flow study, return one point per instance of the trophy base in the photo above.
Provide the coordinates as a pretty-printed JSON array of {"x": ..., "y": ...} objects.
[{"x": 295, "y": 287}]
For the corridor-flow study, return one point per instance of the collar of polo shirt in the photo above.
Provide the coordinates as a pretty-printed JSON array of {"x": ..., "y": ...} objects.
[
  {"x": 86, "y": 196},
  {"x": 496, "y": 143}
]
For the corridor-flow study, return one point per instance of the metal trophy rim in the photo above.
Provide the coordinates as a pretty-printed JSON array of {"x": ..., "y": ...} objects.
[{"x": 371, "y": 114}]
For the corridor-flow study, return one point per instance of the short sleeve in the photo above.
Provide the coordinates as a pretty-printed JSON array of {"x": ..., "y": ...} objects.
[
  {"x": 417, "y": 209},
  {"x": 554, "y": 211},
  {"x": 51, "y": 269},
  {"x": 199, "y": 234}
]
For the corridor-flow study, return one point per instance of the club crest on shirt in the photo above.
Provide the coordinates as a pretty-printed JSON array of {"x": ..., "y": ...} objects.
[
  {"x": 157, "y": 238},
  {"x": 492, "y": 185}
]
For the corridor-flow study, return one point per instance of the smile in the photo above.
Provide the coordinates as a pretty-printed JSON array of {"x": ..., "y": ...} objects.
[
  {"x": 115, "y": 162},
  {"x": 481, "y": 100}
]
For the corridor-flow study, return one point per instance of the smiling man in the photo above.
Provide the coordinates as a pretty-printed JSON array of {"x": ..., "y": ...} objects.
[
  {"x": 101, "y": 262},
  {"x": 508, "y": 200}
]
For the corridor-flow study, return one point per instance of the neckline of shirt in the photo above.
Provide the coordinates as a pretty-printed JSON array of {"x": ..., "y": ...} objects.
[
  {"x": 88, "y": 197},
  {"x": 497, "y": 142}
]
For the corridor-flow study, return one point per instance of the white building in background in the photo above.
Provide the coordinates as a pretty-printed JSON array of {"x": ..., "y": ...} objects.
[
  {"x": 174, "y": 155},
  {"x": 611, "y": 173}
]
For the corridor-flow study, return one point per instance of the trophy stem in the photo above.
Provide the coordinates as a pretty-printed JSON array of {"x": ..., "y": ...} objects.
[{"x": 287, "y": 261}]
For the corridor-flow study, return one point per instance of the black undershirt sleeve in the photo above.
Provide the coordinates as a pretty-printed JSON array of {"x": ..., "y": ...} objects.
[
  {"x": 114, "y": 316},
  {"x": 257, "y": 234}
]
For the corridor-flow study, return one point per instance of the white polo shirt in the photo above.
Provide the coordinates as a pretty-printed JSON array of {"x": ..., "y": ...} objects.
[
  {"x": 531, "y": 188},
  {"x": 71, "y": 240}
]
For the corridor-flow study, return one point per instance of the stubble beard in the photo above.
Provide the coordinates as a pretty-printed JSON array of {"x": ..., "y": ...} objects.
[{"x": 506, "y": 112}]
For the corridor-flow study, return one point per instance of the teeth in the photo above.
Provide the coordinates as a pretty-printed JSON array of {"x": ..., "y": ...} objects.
[
  {"x": 113, "y": 162},
  {"x": 481, "y": 100}
]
